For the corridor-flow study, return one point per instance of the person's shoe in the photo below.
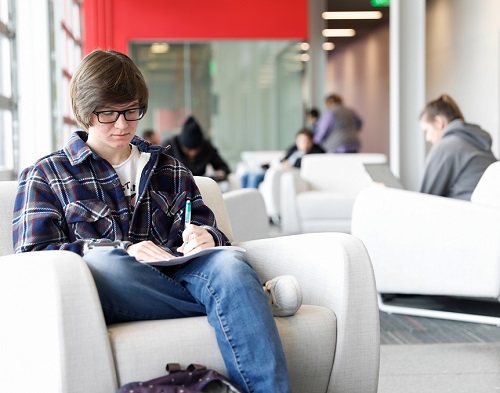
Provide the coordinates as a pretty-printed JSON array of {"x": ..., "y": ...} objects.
[{"x": 284, "y": 294}]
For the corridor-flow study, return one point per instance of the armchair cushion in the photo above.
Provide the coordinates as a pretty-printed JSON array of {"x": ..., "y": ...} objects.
[{"x": 142, "y": 349}]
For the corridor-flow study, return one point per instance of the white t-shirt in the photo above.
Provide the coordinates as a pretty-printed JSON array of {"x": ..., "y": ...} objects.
[{"x": 129, "y": 176}]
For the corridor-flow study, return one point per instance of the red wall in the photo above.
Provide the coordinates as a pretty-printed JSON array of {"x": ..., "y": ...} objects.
[{"x": 112, "y": 24}]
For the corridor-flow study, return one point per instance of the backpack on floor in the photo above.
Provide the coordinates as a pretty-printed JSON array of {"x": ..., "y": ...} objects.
[{"x": 196, "y": 378}]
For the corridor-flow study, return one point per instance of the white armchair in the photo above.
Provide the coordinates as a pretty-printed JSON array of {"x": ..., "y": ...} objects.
[
  {"x": 321, "y": 195},
  {"x": 270, "y": 188},
  {"x": 423, "y": 244},
  {"x": 247, "y": 214},
  {"x": 53, "y": 336}
]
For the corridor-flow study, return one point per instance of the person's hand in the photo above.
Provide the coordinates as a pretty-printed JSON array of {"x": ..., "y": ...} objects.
[
  {"x": 148, "y": 251},
  {"x": 219, "y": 175},
  {"x": 195, "y": 239}
]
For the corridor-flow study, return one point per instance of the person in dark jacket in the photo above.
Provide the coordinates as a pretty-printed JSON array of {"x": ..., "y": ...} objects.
[
  {"x": 192, "y": 149},
  {"x": 460, "y": 154}
]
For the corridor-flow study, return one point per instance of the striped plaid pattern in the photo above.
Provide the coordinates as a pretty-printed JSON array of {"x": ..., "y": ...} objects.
[{"x": 73, "y": 195}]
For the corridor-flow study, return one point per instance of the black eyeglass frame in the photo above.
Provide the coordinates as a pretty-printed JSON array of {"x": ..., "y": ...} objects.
[{"x": 118, "y": 113}]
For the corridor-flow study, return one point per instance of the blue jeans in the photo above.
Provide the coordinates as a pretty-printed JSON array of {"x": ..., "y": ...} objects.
[
  {"x": 221, "y": 285},
  {"x": 252, "y": 179}
]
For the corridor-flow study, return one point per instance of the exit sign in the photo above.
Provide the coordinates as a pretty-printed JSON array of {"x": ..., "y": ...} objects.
[{"x": 380, "y": 3}]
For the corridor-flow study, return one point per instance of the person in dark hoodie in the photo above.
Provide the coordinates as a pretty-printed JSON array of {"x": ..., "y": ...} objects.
[
  {"x": 460, "y": 154},
  {"x": 196, "y": 153}
]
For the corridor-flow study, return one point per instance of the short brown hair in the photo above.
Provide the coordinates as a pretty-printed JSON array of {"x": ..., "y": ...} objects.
[
  {"x": 444, "y": 106},
  {"x": 335, "y": 98},
  {"x": 103, "y": 78},
  {"x": 305, "y": 131}
]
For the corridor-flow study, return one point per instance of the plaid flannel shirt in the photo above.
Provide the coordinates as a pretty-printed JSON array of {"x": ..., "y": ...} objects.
[{"x": 73, "y": 195}]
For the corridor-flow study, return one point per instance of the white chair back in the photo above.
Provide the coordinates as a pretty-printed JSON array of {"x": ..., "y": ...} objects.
[
  {"x": 339, "y": 172},
  {"x": 8, "y": 191},
  {"x": 487, "y": 191},
  {"x": 247, "y": 211}
]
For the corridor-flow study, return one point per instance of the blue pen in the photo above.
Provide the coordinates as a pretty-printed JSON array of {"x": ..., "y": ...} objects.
[{"x": 187, "y": 214}]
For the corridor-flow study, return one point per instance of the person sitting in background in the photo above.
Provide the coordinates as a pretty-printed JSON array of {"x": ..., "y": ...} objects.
[
  {"x": 460, "y": 154},
  {"x": 338, "y": 127},
  {"x": 312, "y": 117},
  {"x": 151, "y": 136},
  {"x": 197, "y": 153},
  {"x": 303, "y": 145}
]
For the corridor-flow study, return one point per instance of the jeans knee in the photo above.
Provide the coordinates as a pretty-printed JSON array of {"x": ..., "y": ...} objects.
[
  {"x": 107, "y": 260},
  {"x": 230, "y": 263},
  {"x": 221, "y": 268}
]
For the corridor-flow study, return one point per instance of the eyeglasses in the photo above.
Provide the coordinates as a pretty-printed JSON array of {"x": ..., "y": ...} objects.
[{"x": 132, "y": 114}]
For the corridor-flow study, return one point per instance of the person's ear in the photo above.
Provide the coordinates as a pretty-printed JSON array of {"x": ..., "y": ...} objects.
[{"x": 440, "y": 122}]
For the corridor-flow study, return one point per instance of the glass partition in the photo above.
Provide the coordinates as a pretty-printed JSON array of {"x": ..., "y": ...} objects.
[{"x": 247, "y": 95}]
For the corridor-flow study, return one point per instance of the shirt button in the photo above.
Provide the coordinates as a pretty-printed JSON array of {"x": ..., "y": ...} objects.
[
  {"x": 116, "y": 182},
  {"x": 123, "y": 217}
]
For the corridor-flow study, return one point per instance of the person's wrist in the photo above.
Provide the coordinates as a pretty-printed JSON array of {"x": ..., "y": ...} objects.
[{"x": 93, "y": 245}]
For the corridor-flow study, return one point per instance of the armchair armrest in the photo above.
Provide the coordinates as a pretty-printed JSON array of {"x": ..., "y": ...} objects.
[
  {"x": 429, "y": 245},
  {"x": 270, "y": 189},
  {"x": 291, "y": 185},
  {"x": 49, "y": 299},
  {"x": 334, "y": 271}
]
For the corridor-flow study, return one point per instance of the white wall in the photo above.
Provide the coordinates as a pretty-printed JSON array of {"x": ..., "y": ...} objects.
[{"x": 463, "y": 59}]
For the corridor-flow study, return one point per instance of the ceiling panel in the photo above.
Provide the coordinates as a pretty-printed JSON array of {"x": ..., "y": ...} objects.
[{"x": 362, "y": 27}]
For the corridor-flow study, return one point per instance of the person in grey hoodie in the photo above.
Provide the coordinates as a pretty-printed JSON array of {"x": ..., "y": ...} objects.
[{"x": 460, "y": 154}]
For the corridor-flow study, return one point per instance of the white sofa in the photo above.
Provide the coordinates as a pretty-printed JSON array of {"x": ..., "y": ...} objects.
[
  {"x": 321, "y": 195},
  {"x": 423, "y": 244},
  {"x": 53, "y": 336}
]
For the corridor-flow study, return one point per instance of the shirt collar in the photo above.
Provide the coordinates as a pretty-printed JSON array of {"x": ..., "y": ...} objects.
[{"x": 78, "y": 151}]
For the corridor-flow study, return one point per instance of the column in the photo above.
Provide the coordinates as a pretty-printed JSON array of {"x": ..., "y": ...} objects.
[
  {"x": 407, "y": 90},
  {"x": 316, "y": 67}
]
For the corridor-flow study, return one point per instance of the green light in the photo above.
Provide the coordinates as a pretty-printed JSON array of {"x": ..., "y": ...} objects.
[
  {"x": 212, "y": 68},
  {"x": 380, "y": 3}
]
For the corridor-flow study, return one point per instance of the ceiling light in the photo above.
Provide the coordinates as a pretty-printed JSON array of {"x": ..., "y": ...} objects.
[
  {"x": 304, "y": 46},
  {"x": 304, "y": 57},
  {"x": 159, "y": 47},
  {"x": 352, "y": 15},
  {"x": 339, "y": 33},
  {"x": 328, "y": 45}
]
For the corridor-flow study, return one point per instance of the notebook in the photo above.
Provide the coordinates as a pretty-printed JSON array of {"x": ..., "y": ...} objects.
[{"x": 381, "y": 173}]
